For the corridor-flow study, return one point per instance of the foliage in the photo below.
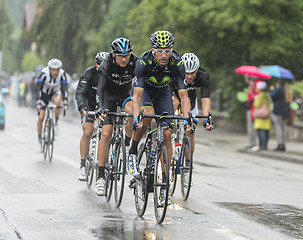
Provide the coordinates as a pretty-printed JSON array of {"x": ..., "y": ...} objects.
[
  {"x": 224, "y": 34},
  {"x": 113, "y": 26},
  {"x": 30, "y": 61},
  {"x": 62, "y": 28}
]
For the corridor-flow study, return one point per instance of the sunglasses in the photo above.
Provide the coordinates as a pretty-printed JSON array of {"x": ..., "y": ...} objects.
[
  {"x": 121, "y": 56},
  {"x": 165, "y": 51}
]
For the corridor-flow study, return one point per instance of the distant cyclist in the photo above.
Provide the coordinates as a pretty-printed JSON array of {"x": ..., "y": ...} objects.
[
  {"x": 114, "y": 89},
  {"x": 195, "y": 78},
  {"x": 86, "y": 101},
  {"x": 154, "y": 71},
  {"x": 52, "y": 86}
]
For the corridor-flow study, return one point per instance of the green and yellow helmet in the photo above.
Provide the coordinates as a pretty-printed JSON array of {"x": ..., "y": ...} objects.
[{"x": 162, "y": 39}]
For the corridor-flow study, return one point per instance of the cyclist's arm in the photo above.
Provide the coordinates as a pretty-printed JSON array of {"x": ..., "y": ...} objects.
[
  {"x": 81, "y": 93},
  {"x": 136, "y": 100},
  {"x": 205, "y": 93},
  {"x": 100, "y": 91},
  {"x": 40, "y": 83},
  {"x": 185, "y": 102},
  {"x": 64, "y": 90}
]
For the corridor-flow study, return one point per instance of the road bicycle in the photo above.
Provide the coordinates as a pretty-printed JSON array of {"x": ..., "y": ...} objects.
[
  {"x": 115, "y": 168},
  {"x": 182, "y": 160},
  {"x": 91, "y": 163},
  {"x": 154, "y": 165},
  {"x": 48, "y": 131}
]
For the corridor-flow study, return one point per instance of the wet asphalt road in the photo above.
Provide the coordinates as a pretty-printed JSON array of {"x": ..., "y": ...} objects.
[{"x": 234, "y": 195}]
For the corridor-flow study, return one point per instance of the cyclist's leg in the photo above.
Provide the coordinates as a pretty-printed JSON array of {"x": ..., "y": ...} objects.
[
  {"x": 57, "y": 101},
  {"x": 87, "y": 130},
  {"x": 127, "y": 106},
  {"x": 44, "y": 101}
]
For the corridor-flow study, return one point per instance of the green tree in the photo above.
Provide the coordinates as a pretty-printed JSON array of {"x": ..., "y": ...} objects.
[
  {"x": 30, "y": 61},
  {"x": 62, "y": 28},
  {"x": 113, "y": 26}
]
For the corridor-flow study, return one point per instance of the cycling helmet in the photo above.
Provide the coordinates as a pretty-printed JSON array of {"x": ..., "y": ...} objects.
[
  {"x": 121, "y": 46},
  {"x": 162, "y": 39},
  {"x": 100, "y": 57},
  {"x": 54, "y": 63},
  {"x": 191, "y": 62}
]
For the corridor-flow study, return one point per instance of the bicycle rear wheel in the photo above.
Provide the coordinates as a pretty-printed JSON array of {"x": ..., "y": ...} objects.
[
  {"x": 141, "y": 193},
  {"x": 161, "y": 185},
  {"x": 119, "y": 171},
  {"x": 186, "y": 167},
  {"x": 109, "y": 172}
]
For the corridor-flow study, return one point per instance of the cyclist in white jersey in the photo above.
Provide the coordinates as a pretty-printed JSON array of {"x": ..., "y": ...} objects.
[{"x": 52, "y": 86}]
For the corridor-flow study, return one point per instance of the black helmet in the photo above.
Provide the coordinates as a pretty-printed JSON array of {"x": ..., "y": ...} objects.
[
  {"x": 121, "y": 46},
  {"x": 100, "y": 57}
]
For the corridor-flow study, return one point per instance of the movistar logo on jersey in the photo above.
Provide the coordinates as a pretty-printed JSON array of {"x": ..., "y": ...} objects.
[
  {"x": 142, "y": 62},
  {"x": 154, "y": 80}
]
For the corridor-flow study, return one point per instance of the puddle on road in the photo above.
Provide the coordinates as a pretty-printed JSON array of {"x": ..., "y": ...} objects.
[{"x": 284, "y": 218}]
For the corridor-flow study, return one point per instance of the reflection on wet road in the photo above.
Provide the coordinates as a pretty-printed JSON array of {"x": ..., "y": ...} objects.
[{"x": 284, "y": 218}]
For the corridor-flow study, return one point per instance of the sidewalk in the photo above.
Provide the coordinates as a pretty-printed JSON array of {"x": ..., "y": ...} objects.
[{"x": 233, "y": 141}]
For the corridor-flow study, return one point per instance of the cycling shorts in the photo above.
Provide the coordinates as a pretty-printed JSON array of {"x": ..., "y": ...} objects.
[
  {"x": 160, "y": 100},
  {"x": 45, "y": 98},
  {"x": 112, "y": 105}
]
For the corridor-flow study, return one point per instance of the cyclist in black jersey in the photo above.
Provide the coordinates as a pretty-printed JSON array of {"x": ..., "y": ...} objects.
[
  {"x": 154, "y": 71},
  {"x": 195, "y": 78},
  {"x": 51, "y": 86},
  {"x": 114, "y": 89},
  {"x": 86, "y": 101}
]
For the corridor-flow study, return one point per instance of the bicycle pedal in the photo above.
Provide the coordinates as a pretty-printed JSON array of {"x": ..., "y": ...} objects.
[{"x": 132, "y": 183}]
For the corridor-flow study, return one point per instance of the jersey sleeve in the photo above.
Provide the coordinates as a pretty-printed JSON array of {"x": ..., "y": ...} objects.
[
  {"x": 205, "y": 85},
  {"x": 180, "y": 75},
  {"x": 63, "y": 82},
  {"x": 140, "y": 72},
  {"x": 40, "y": 82},
  {"x": 82, "y": 91},
  {"x": 100, "y": 90}
]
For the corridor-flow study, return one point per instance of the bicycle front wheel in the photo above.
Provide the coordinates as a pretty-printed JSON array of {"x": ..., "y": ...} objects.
[
  {"x": 161, "y": 184},
  {"x": 186, "y": 167},
  {"x": 109, "y": 172},
  {"x": 173, "y": 167},
  {"x": 119, "y": 171},
  {"x": 45, "y": 138},
  {"x": 141, "y": 193},
  {"x": 51, "y": 140}
]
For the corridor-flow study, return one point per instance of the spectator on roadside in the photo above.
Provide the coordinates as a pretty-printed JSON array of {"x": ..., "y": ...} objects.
[
  {"x": 262, "y": 124},
  {"x": 281, "y": 97},
  {"x": 251, "y": 93}
]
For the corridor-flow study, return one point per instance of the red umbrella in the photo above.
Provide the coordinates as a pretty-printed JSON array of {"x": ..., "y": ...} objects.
[{"x": 252, "y": 71}]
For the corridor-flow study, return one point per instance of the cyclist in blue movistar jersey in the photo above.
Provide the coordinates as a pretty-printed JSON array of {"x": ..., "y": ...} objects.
[
  {"x": 52, "y": 86},
  {"x": 195, "y": 78},
  {"x": 86, "y": 101},
  {"x": 154, "y": 71},
  {"x": 114, "y": 89}
]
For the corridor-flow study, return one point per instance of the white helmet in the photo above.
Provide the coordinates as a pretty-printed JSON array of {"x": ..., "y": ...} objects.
[
  {"x": 191, "y": 62},
  {"x": 54, "y": 63},
  {"x": 100, "y": 57}
]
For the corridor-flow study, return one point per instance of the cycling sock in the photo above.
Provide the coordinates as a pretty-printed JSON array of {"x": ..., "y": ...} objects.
[
  {"x": 127, "y": 141},
  {"x": 82, "y": 163},
  {"x": 163, "y": 180},
  {"x": 39, "y": 138},
  {"x": 133, "y": 148},
  {"x": 57, "y": 118},
  {"x": 101, "y": 172}
]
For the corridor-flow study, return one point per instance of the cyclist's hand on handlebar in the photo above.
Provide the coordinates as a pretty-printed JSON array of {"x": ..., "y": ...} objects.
[
  {"x": 101, "y": 114},
  {"x": 65, "y": 105},
  {"x": 39, "y": 105},
  {"x": 188, "y": 128},
  {"x": 83, "y": 112},
  {"x": 136, "y": 123},
  {"x": 207, "y": 125}
]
